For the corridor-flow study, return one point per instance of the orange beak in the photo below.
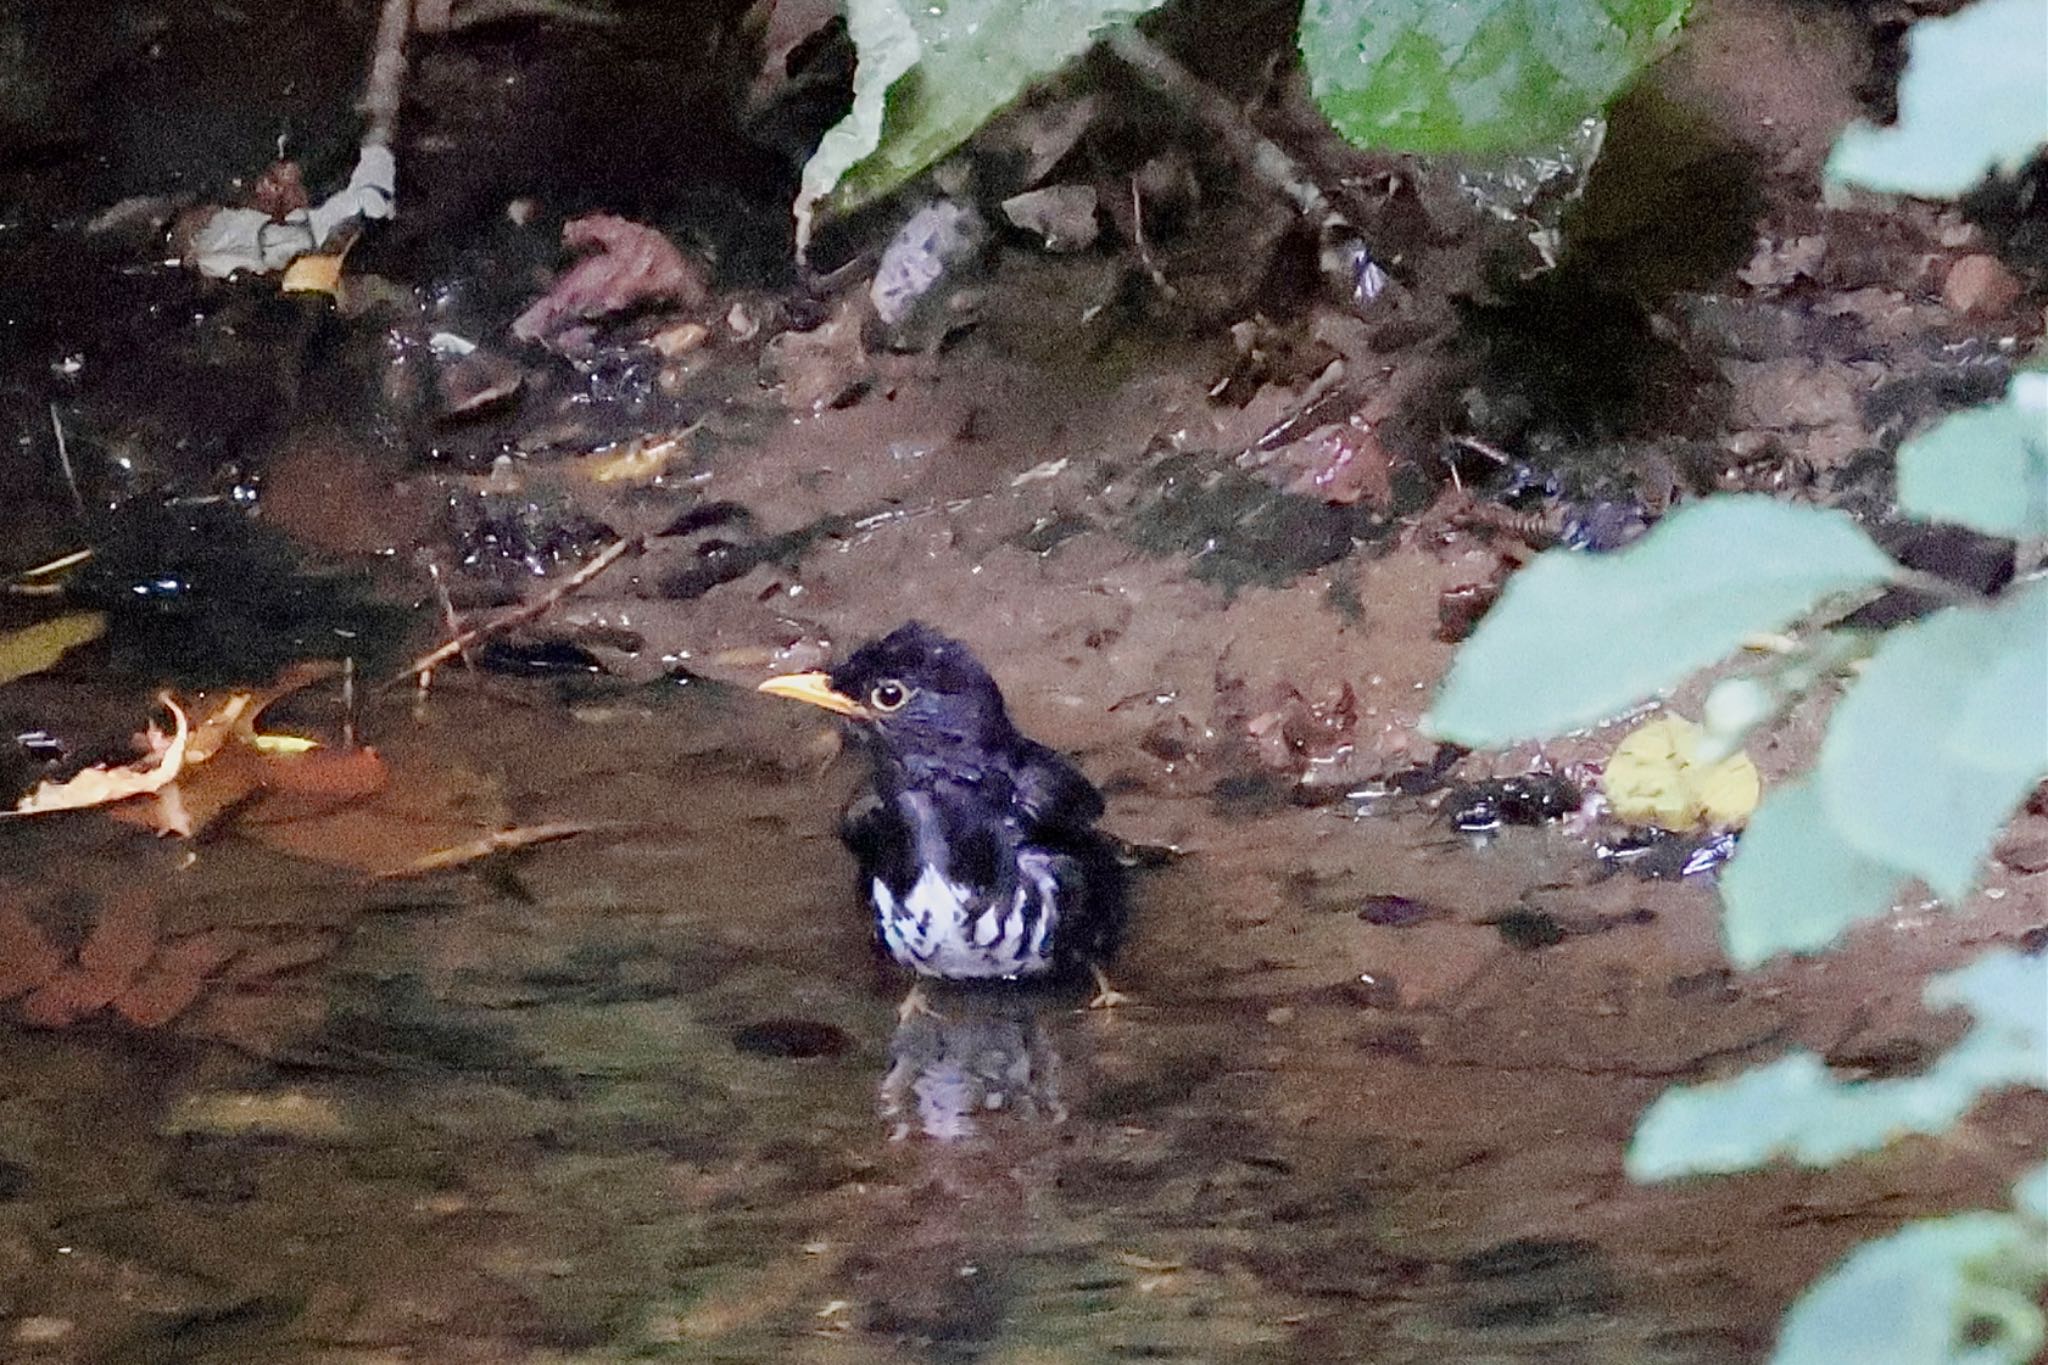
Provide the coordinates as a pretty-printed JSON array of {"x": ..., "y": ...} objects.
[{"x": 816, "y": 689}]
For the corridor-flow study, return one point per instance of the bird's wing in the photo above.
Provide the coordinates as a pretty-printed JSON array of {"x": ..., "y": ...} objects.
[{"x": 1052, "y": 792}]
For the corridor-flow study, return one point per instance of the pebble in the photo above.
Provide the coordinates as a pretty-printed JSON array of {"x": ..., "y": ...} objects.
[{"x": 1980, "y": 287}]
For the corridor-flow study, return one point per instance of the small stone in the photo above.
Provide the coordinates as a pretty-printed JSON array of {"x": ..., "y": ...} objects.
[
  {"x": 1063, "y": 215},
  {"x": 2025, "y": 852},
  {"x": 1980, "y": 287}
]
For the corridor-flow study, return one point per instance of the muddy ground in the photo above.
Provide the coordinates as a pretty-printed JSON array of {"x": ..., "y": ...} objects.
[{"x": 641, "y": 1093}]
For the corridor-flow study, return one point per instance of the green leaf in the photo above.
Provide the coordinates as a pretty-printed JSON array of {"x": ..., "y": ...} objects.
[
  {"x": 1942, "y": 1291},
  {"x": 2030, "y": 1195},
  {"x": 1794, "y": 1109},
  {"x": 35, "y": 648},
  {"x": 887, "y": 46},
  {"x": 1479, "y": 76},
  {"x": 2004, "y": 719},
  {"x": 1578, "y": 637},
  {"x": 946, "y": 67},
  {"x": 1894, "y": 785},
  {"x": 1986, "y": 468},
  {"x": 1970, "y": 103},
  {"x": 1794, "y": 886}
]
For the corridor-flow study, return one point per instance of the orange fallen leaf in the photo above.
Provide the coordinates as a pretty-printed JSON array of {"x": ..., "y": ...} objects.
[
  {"x": 312, "y": 784},
  {"x": 100, "y": 786}
]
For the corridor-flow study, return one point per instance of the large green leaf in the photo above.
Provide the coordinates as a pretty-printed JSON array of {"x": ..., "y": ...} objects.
[
  {"x": 1942, "y": 1291},
  {"x": 946, "y": 67},
  {"x": 1476, "y": 76},
  {"x": 1578, "y": 637},
  {"x": 1894, "y": 783},
  {"x": 1794, "y": 886},
  {"x": 887, "y": 46},
  {"x": 1970, "y": 103},
  {"x": 1986, "y": 468},
  {"x": 2004, "y": 719},
  {"x": 1794, "y": 1109}
]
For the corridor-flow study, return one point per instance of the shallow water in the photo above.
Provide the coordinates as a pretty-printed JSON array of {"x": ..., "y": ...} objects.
[{"x": 643, "y": 1095}]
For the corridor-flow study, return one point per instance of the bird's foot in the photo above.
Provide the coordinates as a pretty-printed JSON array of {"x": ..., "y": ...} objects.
[
  {"x": 1107, "y": 997},
  {"x": 916, "y": 1004}
]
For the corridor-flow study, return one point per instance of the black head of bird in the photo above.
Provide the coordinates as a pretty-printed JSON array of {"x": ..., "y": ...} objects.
[{"x": 976, "y": 845}]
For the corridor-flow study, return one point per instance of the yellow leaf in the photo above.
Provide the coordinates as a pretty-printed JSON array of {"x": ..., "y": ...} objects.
[
  {"x": 103, "y": 786},
  {"x": 637, "y": 461},
  {"x": 282, "y": 744},
  {"x": 1652, "y": 779},
  {"x": 34, "y": 648},
  {"x": 312, "y": 274}
]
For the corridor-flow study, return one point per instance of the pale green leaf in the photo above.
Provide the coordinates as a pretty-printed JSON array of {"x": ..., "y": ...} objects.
[
  {"x": 887, "y": 46},
  {"x": 37, "y": 647},
  {"x": 2030, "y": 1195},
  {"x": 1794, "y": 886},
  {"x": 1985, "y": 468},
  {"x": 1943, "y": 1291},
  {"x": 1971, "y": 102},
  {"x": 1893, "y": 785},
  {"x": 2004, "y": 718},
  {"x": 946, "y": 67},
  {"x": 1480, "y": 76},
  {"x": 1794, "y": 1109},
  {"x": 1577, "y": 637}
]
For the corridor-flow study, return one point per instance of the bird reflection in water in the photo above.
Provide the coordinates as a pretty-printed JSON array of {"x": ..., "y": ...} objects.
[{"x": 979, "y": 1056}]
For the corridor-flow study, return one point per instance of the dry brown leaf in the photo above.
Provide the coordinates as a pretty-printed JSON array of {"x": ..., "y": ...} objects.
[
  {"x": 27, "y": 957},
  {"x": 305, "y": 786},
  {"x": 100, "y": 786},
  {"x": 178, "y": 977},
  {"x": 120, "y": 944},
  {"x": 632, "y": 265},
  {"x": 64, "y": 999}
]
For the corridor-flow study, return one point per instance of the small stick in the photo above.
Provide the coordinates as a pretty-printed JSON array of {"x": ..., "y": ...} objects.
[
  {"x": 1343, "y": 255},
  {"x": 448, "y": 615},
  {"x": 1166, "y": 291},
  {"x": 539, "y": 607},
  {"x": 64, "y": 460},
  {"x": 384, "y": 89},
  {"x": 348, "y": 702}
]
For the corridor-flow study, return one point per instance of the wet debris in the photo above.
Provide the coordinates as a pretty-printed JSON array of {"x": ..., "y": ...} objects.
[
  {"x": 793, "y": 1039},
  {"x": 1460, "y": 608},
  {"x": 823, "y": 366},
  {"x": 1663, "y": 855},
  {"x": 916, "y": 292},
  {"x": 1236, "y": 530},
  {"x": 1395, "y": 912},
  {"x": 1062, "y": 216},
  {"x": 1531, "y": 929},
  {"x": 1531, "y": 799},
  {"x": 628, "y": 268}
]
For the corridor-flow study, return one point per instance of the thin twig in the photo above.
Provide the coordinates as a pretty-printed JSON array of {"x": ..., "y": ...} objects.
[
  {"x": 448, "y": 616},
  {"x": 348, "y": 702},
  {"x": 1166, "y": 291},
  {"x": 1343, "y": 255},
  {"x": 519, "y": 615},
  {"x": 64, "y": 460}
]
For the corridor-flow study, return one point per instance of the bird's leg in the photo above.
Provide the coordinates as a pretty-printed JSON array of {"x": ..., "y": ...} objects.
[
  {"x": 915, "y": 1004},
  {"x": 1107, "y": 997}
]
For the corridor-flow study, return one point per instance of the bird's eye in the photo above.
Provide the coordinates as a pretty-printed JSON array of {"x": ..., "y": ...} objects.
[{"x": 888, "y": 696}]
